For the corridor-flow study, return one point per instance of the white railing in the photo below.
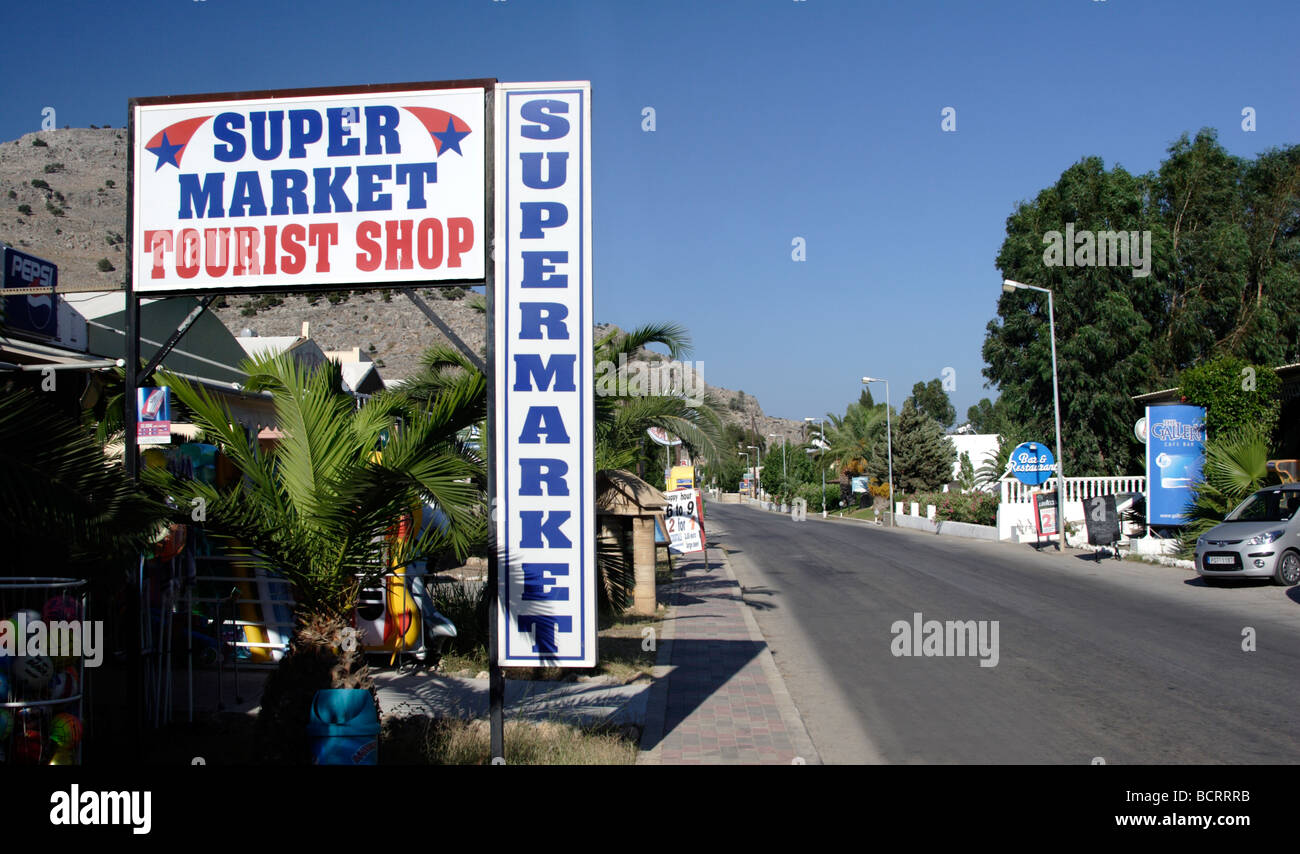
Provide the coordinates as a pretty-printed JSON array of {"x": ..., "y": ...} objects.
[{"x": 1076, "y": 488}]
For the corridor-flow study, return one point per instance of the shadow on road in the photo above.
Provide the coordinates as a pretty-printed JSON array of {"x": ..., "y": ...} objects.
[{"x": 701, "y": 667}]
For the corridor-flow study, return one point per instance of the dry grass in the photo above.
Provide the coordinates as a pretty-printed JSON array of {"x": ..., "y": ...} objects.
[
  {"x": 451, "y": 741},
  {"x": 622, "y": 649}
]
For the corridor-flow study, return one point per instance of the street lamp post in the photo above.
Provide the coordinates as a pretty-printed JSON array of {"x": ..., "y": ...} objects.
[
  {"x": 889, "y": 443},
  {"x": 821, "y": 435},
  {"x": 1007, "y": 287}
]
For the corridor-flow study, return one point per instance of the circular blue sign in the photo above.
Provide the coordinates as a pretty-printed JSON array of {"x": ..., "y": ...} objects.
[{"x": 1032, "y": 463}]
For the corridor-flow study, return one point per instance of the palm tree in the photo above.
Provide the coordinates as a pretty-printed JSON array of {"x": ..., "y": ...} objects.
[
  {"x": 855, "y": 437},
  {"x": 320, "y": 506},
  {"x": 1235, "y": 466},
  {"x": 621, "y": 420},
  {"x": 66, "y": 504}
]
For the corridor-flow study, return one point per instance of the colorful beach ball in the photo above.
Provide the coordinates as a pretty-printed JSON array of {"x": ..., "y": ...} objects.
[
  {"x": 65, "y": 730},
  {"x": 65, "y": 684},
  {"x": 34, "y": 671}
]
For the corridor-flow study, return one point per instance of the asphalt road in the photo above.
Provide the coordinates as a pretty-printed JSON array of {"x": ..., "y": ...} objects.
[{"x": 1126, "y": 661}]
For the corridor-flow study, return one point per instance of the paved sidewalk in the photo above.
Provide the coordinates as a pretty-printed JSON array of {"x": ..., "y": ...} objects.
[{"x": 718, "y": 697}]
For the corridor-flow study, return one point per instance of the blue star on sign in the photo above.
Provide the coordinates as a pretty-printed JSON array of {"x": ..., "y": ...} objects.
[
  {"x": 450, "y": 139},
  {"x": 165, "y": 152}
]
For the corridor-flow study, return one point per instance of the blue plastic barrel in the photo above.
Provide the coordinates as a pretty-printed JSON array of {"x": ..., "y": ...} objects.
[{"x": 344, "y": 727}]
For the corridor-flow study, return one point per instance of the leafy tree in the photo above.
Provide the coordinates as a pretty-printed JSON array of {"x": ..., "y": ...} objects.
[
  {"x": 933, "y": 401},
  {"x": 1224, "y": 278},
  {"x": 923, "y": 455},
  {"x": 967, "y": 472},
  {"x": 989, "y": 417},
  {"x": 1235, "y": 394}
]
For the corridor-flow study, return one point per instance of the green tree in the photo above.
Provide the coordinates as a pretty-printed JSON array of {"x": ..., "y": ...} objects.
[
  {"x": 923, "y": 455},
  {"x": 989, "y": 417},
  {"x": 1224, "y": 279},
  {"x": 622, "y": 419},
  {"x": 1235, "y": 394},
  {"x": 967, "y": 472},
  {"x": 933, "y": 401},
  {"x": 319, "y": 507},
  {"x": 856, "y": 437}
]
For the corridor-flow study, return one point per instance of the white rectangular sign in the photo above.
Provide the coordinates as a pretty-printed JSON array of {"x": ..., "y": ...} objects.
[
  {"x": 308, "y": 189},
  {"x": 684, "y": 515},
  {"x": 544, "y": 377}
]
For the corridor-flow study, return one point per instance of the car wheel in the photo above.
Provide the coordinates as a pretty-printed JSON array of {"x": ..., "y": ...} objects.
[{"x": 1288, "y": 569}]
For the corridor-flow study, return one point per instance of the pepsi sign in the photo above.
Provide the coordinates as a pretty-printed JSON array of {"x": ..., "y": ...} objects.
[
  {"x": 31, "y": 316},
  {"x": 372, "y": 186}
]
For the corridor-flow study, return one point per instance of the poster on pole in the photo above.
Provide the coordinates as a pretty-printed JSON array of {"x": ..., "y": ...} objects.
[
  {"x": 542, "y": 313},
  {"x": 685, "y": 517},
  {"x": 153, "y": 416},
  {"x": 298, "y": 189},
  {"x": 1045, "y": 512}
]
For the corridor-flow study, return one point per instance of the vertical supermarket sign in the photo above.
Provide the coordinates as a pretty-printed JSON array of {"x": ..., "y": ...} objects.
[{"x": 545, "y": 513}]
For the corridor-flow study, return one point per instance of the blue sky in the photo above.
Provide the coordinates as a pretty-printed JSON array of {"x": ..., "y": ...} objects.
[{"x": 775, "y": 119}]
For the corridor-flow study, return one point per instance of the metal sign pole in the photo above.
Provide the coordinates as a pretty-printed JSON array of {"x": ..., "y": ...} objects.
[
  {"x": 130, "y": 451},
  {"x": 496, "y": 678}
]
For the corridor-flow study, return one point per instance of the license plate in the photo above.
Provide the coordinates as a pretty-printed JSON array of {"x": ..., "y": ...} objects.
[{"x": 1220, "y": 559}]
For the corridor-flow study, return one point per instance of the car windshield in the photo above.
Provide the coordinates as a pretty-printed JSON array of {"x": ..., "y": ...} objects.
[{"x": 1274, "y": 505}]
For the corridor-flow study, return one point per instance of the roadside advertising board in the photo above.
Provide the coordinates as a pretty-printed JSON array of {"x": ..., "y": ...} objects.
[
  {"x": 33, "y": 315},
  {"x": 153, "y": 416},
  {"x": 1102, "y": 518},
  {"x": 542, "y": 312},
  {"x": 685, "y": 517},
  {"x": 1045, "y": 513},
  {"x": 1175, "y": 454},
  {"x": 301, "y": 189},
  {"x": 1032, "y": 463}
]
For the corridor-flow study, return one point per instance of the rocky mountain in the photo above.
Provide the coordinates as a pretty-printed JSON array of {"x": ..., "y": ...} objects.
[{"x": 63, "y": 197}]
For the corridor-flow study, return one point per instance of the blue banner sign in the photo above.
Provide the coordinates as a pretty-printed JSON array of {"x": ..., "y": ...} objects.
[
  {"x": 1175, "y": 454},
  {"x": 1032, "y": 463}
]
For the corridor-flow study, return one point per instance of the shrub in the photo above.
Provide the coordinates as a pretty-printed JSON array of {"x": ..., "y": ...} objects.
[
  {"x": 464, "y": 603},
  {"x": 110, "y": 183},
  {"x": 975, "y": 508},
  {"x": 40, "y": 143},
  {"x": 40, "y": 184},
  {"x": 54, "y": 209},
  {"x": 13, "y": 194},
  {"x": 1235, "y": 394},
  {"x": 51, "y": 168},
  {"x": 26, "y": 210},
  {"x": 105, "y": 266}
]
